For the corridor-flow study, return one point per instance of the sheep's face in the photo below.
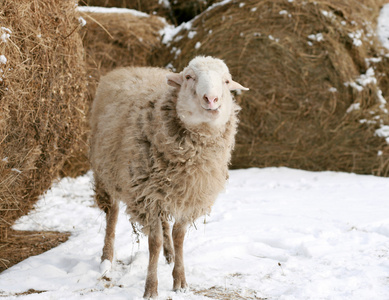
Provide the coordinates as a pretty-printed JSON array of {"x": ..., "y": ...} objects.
[{"x": 204, "y": 95}]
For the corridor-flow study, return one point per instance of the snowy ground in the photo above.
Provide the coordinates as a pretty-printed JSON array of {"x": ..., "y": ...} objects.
[{"x": 275, "y": 233}]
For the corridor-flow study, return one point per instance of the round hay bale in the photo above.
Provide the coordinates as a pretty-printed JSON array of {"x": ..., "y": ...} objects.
[
  {"x": 120, "y": 39},
  {"x": 42, "y": 99},
  {"x": 114, "y": 40},
  {"x": 316, "y": 75}
]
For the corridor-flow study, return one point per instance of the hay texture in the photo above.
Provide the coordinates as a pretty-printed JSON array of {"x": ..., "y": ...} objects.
[
  {"x": 42, "y": 95},
  {"x": 317, "y": 79},
  {"x": 114, "y": 40}
]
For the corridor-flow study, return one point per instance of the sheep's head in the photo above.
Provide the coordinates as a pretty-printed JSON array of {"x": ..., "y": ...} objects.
[{"x": 204, "y": 91}]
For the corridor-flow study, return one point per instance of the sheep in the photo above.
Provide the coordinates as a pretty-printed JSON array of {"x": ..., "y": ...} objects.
[{"x": 161, "y": 142}]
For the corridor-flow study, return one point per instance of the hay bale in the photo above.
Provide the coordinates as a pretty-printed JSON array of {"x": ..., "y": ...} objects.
[
  {"x": 118, "y": 39},
  {"x": 42, "y": 95},
  {"x": 114, "y": 40},
  {"x": 303, "y": 62}
]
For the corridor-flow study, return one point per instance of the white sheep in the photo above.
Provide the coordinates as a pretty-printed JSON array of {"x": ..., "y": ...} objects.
[{"x": 161, "y": 142}]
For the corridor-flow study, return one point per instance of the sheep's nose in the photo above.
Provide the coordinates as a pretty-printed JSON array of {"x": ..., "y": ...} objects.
[{"x": 210, "y": 99}]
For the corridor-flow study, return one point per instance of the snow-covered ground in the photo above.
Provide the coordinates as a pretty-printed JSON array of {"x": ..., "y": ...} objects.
[{"x": 275, "y": 233}]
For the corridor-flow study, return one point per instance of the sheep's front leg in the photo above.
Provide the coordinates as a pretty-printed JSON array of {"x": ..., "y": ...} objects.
[
  {"x": 179, "y": 281},
  {"x": 155, "y": 245}
]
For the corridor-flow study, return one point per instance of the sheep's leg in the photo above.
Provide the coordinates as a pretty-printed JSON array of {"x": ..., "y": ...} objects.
[
  {"x": 155, "y": 245},
  {"x": 168, "y": 250},
  {"x": 179, "y": 281},
  {"x": 111, "y": 209},
  {"x": 109, "y": 241}
]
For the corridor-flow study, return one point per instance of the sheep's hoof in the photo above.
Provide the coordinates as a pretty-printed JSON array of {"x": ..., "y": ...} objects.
[
  {"x": 105, "y": 267},
  {"x": 180, "y": 286},
  {"x": 150, "y": 294},
  {"x": 168, "y": 252},
  {"x": 169, "y": 257},
  {"x": 182, "y": 290},
  {"x": 151, "y": 288}
]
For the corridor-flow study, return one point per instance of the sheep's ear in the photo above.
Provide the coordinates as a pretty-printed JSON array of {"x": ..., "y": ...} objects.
[
  {"x": 233, "y": 85},
  {"x": 175, "y": 79}
]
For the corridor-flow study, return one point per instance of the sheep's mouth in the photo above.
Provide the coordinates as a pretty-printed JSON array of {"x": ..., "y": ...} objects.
[{"x": 212, "y": 110}]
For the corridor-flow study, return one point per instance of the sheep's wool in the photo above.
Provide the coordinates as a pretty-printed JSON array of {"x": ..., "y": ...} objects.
[{"x": 143, "y": 154}]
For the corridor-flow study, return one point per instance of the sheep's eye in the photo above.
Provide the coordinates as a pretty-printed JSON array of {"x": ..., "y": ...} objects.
[{"x": 188, "y": 77}]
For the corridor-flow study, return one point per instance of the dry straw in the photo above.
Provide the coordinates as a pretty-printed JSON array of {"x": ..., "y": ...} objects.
[
  {"x": 220, "y": 293},
  {"x": 42, "y": 95},
  {"x": 114, "y": 40},
  {"x": 302, "y": 61}
]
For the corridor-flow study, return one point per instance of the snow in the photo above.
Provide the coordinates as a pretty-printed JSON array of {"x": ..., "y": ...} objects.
[
  {"x": 169, "y": 32},
  {"x": 82, "y": 21},
  {"x": 316, "y": 37},
  {"x": 191, "y": 34},
  {"x": 97, "y": 9},
  {"x": 276, "y": 233},
  {"x": 165, "y": 3},
  {"x": 6, "y": 33},
  {"x": 383, "y": 131},
  {"x": 328, "y": 14},
  {"x": 383, "y": 26},
  {"x": 4, "y": 37},
  {"x": 6, "y": 30},
  {"x": 367, "y": 78},
  {"x": 356, "y": 36},
  {"x": 272, "y": 38},
  {"x": 354, "y": 106},
  {"x": 3, "y": 59}
]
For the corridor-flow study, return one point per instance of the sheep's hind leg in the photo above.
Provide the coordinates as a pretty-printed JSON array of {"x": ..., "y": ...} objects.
[
  {"x": 168, "y": 250},
  {"x": 111, "y": 209},
  {"x": 109, "y": 241},
  {"x": 155, "y": 245},
  {"x": 179, "y": 281}
]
